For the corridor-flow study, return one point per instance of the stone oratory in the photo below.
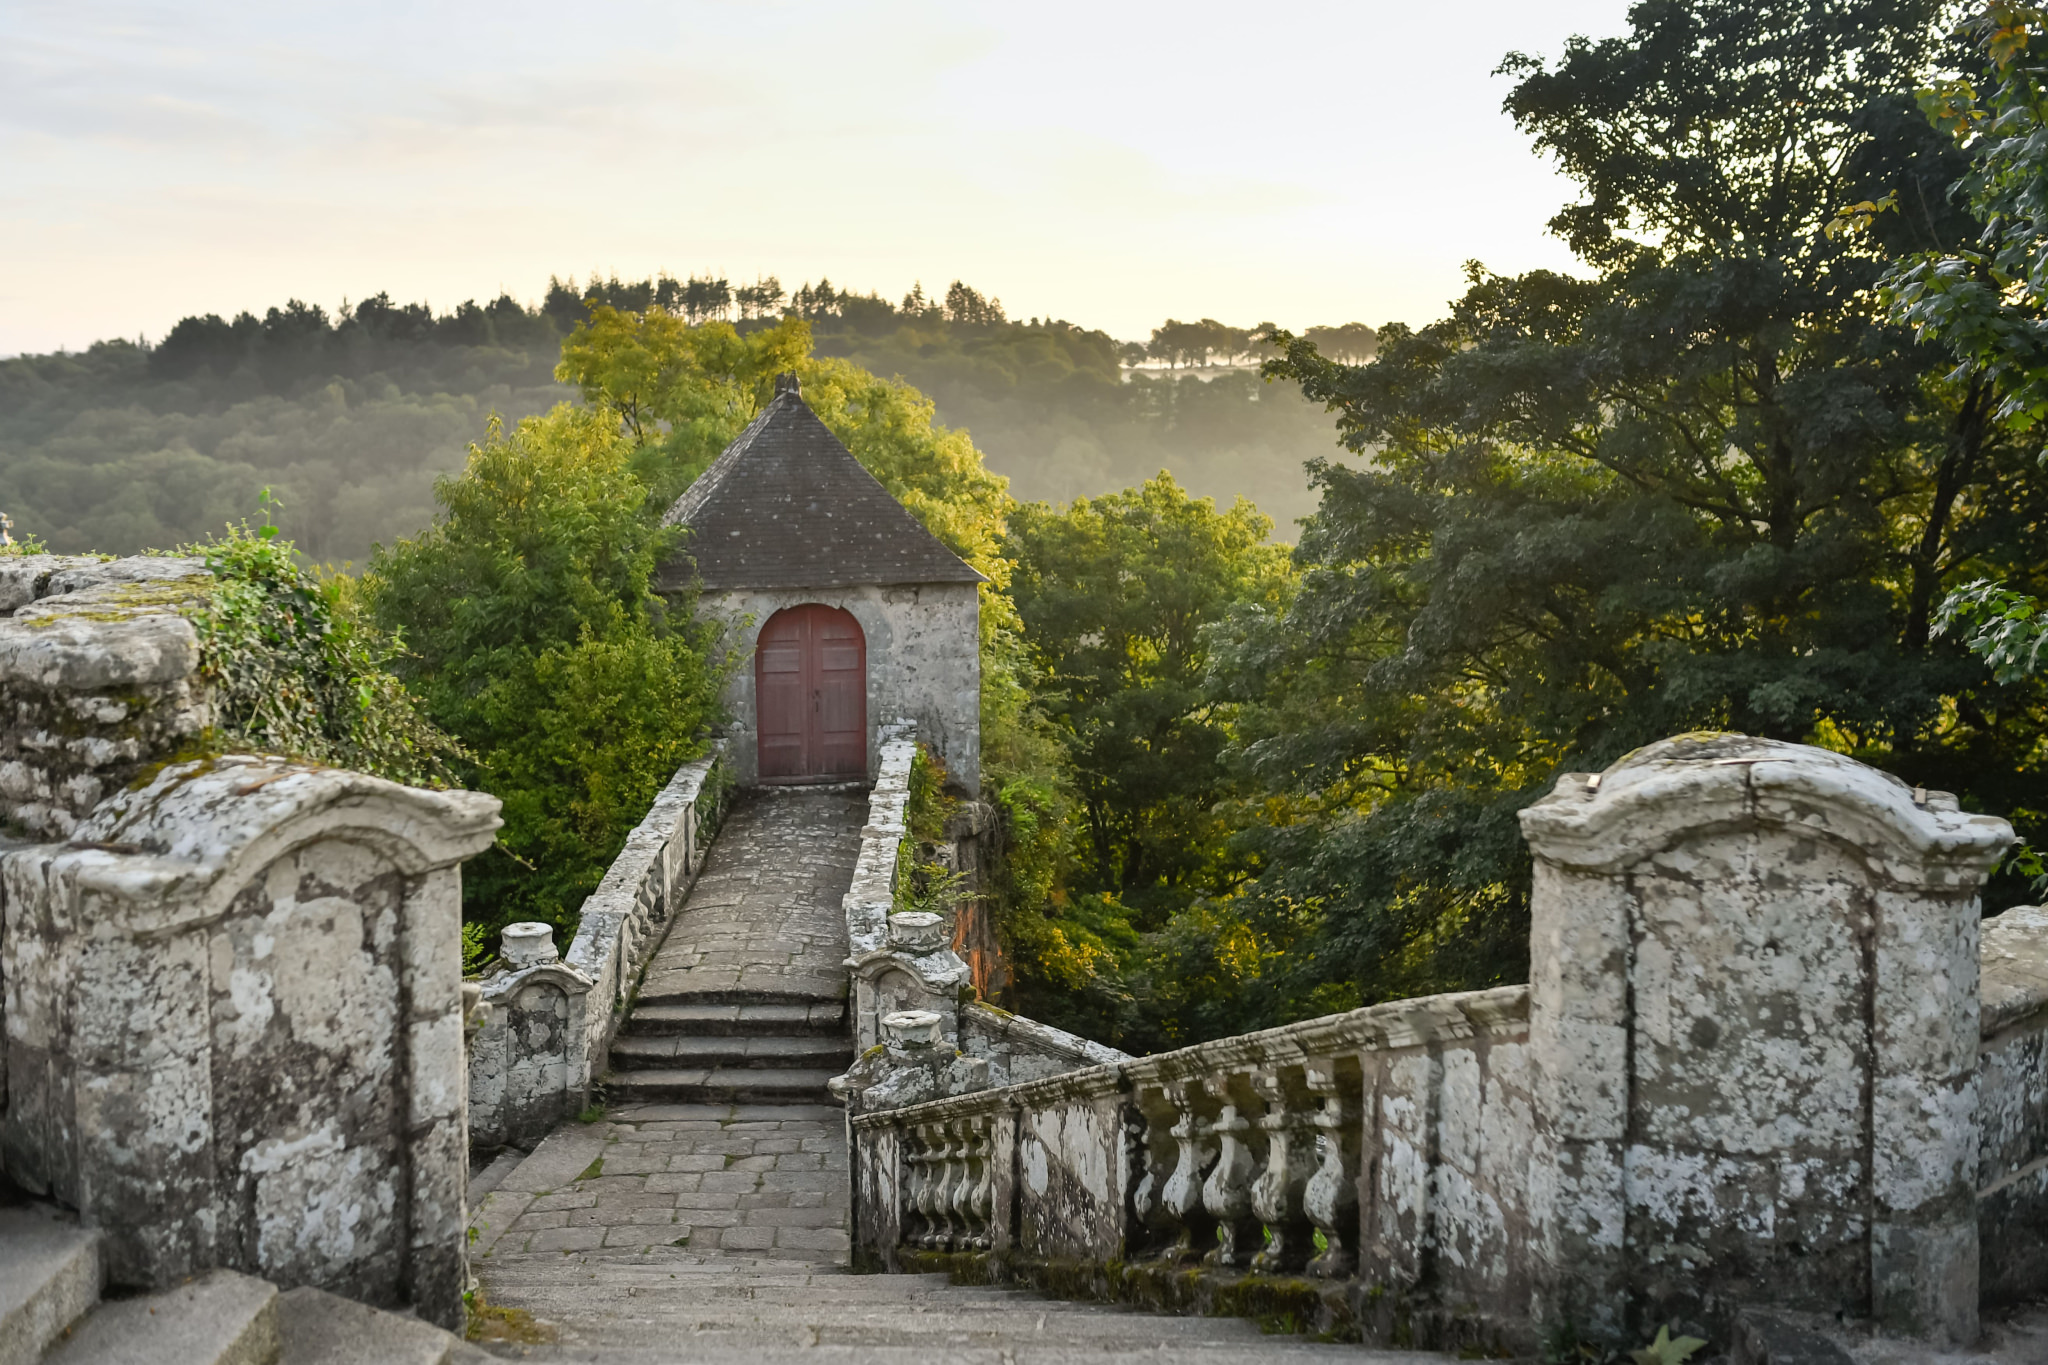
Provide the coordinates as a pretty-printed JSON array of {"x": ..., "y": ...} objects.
[{"x": 851, "y": 614}]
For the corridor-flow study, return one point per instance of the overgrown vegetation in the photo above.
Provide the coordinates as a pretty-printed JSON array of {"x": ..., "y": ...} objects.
[{"x": 297, "y": 671}]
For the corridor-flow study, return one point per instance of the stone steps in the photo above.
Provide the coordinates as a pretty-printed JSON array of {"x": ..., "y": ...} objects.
[
  {"x": 707, "y": 1018},
  {"x": 51, "y": 1311},
  {"x": 721, "y": 1085},
  {"x": 685, "y": 1051}
]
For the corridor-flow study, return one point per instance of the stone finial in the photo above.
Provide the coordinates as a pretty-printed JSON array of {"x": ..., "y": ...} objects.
[
  {"x": 788, "y": 383},
  {"x": 913, "y": 1029},
  {"x": 917, "y": 931},
  {"x": 527, "y": 944}
]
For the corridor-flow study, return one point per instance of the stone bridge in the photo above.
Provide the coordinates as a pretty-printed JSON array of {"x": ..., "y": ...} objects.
[
  {"x": 706, "y": 1214},
  {"x": 1772, "y": 1080}
]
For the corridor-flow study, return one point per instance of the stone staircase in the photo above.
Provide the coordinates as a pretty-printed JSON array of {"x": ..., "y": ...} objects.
[
  {"x": 52, "y": 1311},
  {"x": 683, "y": 1048}
]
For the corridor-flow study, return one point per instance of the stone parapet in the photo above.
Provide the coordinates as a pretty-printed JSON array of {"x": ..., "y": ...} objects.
[
  {"x": 99, "y": 678},
  {"x": 1754, "y": 1069},
  {"x": 1754, "y": 1040},
  {"x": 549, "y": 1023},
  {"x": 233, "y": 1018},
  {"x": 1385, "y": 1145},
  {"x": 2012, "y": 1169}
]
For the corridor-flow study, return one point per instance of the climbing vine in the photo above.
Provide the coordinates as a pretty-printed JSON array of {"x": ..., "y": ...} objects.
[{"x": 295, "y": 672}]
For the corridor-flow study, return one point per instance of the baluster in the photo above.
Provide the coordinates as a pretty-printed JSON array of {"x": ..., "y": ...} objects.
[
  {"x": 1180, "y": 1198},
  {"x": 945, "y": 1178},
  {"x": 1227, "y": 1193},
  {"x": 916, "y": 1173},
  {"x": 1330, "y": 1199},
  {"x": 1290, "y": 1157},
  {"x": 1148, "y": 1121},
  {"x": 977, "y": 1193},
  {"x": 928, "y": 1187}
]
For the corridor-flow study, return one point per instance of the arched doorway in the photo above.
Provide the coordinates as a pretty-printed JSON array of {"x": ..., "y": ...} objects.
[{"x": 811, "y": 695}]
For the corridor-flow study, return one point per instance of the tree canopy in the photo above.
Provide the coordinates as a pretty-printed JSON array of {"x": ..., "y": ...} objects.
[{"x": 1711, "y": 486}]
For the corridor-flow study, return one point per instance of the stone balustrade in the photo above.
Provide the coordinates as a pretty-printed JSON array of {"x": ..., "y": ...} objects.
[
  {"x": 1750, "y": 1071},
  {"x": 547, "y": 1022},
  {"x": 1387, "y": 1141}
]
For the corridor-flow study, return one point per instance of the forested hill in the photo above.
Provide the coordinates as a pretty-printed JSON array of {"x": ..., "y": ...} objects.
[{"x": 351, "y": 416}]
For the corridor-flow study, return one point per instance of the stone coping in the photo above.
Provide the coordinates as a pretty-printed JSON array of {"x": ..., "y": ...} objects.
[
  {"x": 872, "y": 893},
  {"x": 1453, "y": 1018},
  {"x": 178, "y": 847},
  {"x": 600, "y": 943},
  {"x": 1675, "y": 788},
  {"x": 2015, "y": 972},
  {"x": 1038, "y": 1039}
]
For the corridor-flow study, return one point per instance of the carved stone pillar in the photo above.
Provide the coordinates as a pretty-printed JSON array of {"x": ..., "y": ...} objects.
[
  {"x": 1290, "y": 1158},
  {"x": 1330, "y": 1197},
  {"x": 1180, "y": 1198}
]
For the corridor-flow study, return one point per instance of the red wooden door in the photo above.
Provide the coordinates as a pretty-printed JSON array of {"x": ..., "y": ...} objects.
[{"x": 811, "y": 695}]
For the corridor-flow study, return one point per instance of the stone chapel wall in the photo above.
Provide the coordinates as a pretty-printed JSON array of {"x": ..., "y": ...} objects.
[{"x": 924, "y": 664}]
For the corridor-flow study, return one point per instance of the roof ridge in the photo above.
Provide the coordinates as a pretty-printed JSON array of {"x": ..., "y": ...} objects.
[
  {"x": 715, "y": 473},
  {"x": 805, "y": 513}
]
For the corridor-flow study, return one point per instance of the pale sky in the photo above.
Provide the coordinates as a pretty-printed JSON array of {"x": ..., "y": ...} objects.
[{"x": 1113, "y": 164}]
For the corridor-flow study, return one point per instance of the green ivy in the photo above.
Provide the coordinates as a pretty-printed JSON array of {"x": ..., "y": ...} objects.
[{"x": 295, "y": 672}]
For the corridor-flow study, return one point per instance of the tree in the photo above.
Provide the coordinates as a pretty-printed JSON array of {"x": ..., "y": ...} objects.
[
  {"x": 534, "y": 639},
  {"x": 1115, "y": 594},
  {"x": 966, "y": 305},
  {"x": 1709, "y": 487},
  {"x": 1354, "y": 343}
]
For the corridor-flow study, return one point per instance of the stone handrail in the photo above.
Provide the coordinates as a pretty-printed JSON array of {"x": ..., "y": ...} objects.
[
  {"x": 1235, "y": 1153},
  {"x": 548, "y": 1024},
  {"x": 872, "y": 893}
]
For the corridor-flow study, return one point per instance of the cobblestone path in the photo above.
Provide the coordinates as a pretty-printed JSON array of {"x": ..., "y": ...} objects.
[{"x": 764, "y": 919}]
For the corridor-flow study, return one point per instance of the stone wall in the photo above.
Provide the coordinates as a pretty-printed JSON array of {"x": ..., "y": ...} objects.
[
  {"x": 1749, "y": 1072},
  {"x": 924, "y": 663},
  {"x": 233, "y": 1025},
  {"x": 99, "y": 679},
  {"x": 2012, "y": 1173},
  {"x": 548, "y": 1023},
  {"x": 1755, "y": 1036}
]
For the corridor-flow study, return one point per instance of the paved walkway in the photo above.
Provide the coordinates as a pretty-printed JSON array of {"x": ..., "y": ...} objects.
[
  {"x": 764, "y": 919},
  {"x": 680, "y": 1230}
]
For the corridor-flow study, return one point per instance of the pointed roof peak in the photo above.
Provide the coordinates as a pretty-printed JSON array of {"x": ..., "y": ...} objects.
[{"x": 788, "y": 506}]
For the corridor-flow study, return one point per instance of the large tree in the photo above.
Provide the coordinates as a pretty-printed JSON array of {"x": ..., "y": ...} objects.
[{"x": 1706, "y": 485}]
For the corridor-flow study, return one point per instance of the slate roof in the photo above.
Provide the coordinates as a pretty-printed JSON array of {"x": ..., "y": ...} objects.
[{"x": 787, "y": 506}]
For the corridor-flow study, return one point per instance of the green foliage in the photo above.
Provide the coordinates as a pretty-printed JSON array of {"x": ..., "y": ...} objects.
[
  {"x": 926, "y": 887},
  {"x": 1116, "y": 595},
  {"x": 123, "y": 446},
  {"x": 1987, "y": 298},
  {"x": 536, "y": 641},
  {"x": 928, "y": 808},
  {"x": 1667, "y": 1349},
  {"x": 2004, "y": 628},
  {"x": 296, "y": 671},
  {"x": 476, "y": 949},
  {"x": 1708, "y": 487}
]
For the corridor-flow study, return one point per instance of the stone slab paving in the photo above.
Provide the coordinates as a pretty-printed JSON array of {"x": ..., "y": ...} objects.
[
  {"x": 701, "y": 1179},
  {"x": 765, "y": 917},
  {"x": 672, "y": 1234}
]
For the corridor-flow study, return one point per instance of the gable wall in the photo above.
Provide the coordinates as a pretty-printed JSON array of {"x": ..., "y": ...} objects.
[{"x": 924, "y": 664}]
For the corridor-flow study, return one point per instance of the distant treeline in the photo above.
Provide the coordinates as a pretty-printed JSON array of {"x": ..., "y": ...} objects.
[{"x": 350, "y": 415}]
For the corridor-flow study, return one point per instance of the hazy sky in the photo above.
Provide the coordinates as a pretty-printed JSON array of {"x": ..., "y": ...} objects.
[{"x": 1110, "y": 163}]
